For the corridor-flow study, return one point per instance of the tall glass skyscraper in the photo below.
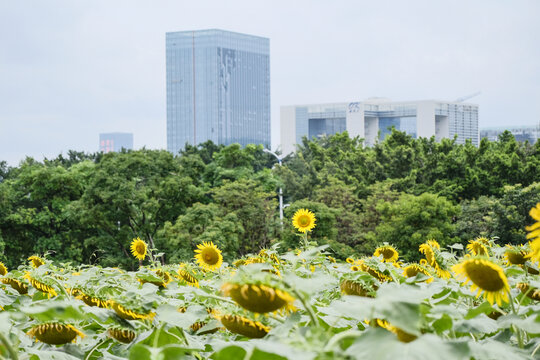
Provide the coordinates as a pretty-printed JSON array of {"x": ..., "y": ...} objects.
[{"x": 218, "y": 88}]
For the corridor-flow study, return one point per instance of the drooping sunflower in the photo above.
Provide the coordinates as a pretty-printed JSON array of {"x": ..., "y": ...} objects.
[
  {"x": 359, "y": 285},
  {"x": 90, "y": 300},
  {"x": 388, "y": 252},
  {"x": 40, "y": 285},
  {"x": 3, "y": 269},
  {"x": 478, "y": 247},
  {"x": 530, "y": 291},
  {"x": 122, "y": 335},
  {"x": 208, "y": 256},
  {"x": 412, "y": 270},
  {"x": 18, "y": 285},
  {"x": 304, "y": 220},
  {"x": 164, "y": 278},
  {"x": 534, "y": 234},
  {"x": 244, "y": 326},
  {"x": 402, "y": 335},
  {"x": 259, "y": 298},
  {"x": 486, "y": 277},
  {"x": 55, "y": 333},
  {"x": 129, "y": 314},
  {"x": 431, "y": 250},
  {"x": 139, "y": 248},
  {"x": 186, "y": 274},
  {"x": 36, "y": 261},
  {"x": 515, "y": 255},
  {"x": 373, "y": 271}
]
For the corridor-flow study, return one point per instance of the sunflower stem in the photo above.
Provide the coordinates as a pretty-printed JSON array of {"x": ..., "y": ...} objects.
[
  {"x": 307, "y": 306},
  {"x": 9, "y": 347},
  {"x": 94, "y": 348},
  {"x": 341, "y": 336},
  {"x": 516, "y": 329}
]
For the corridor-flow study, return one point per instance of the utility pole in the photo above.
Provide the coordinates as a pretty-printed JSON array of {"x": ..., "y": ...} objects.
[{"x": 279, "y": 158}]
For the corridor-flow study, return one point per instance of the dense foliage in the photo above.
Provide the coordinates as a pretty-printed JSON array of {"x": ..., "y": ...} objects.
[{"x": 84, "y": 208}]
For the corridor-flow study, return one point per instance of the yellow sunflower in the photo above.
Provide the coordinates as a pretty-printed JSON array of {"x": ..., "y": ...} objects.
[
  {"x": 139, "y": 248},
  {"x": 477, "y": 248},
  {"x": 21, "y": 287},
  {"x": 388, "y": 252},
  {"x": 41, "y": 286},
  {"x": 36, "y": 261},
  {"x": 304, "y": 220},
  {"x": 486, "y": 277},
  {"x": 208, "y": 256},
  {"x": 241, "y": 325},
  {"x": 534, "y": 234},
  {"x": 185, "y": 273},
  {"x": 3, "y": 269},
  {"x": 430, "y": 249},
  {"x": 55, "y": 333},
  {"x": 122, "y": 335},
  {"x": 128, "y": 314},
  {"x": 412, "y": 270},
  {"x": 530, "y": 291},
  {"x": 259, "y": 298},
  {"x": 515, "y": 255}
]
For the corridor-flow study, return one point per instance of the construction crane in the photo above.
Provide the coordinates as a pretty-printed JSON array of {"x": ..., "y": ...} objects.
[{"x": 463, "y": 98}]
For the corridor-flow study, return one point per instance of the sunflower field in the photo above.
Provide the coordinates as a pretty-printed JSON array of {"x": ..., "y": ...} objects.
[{"x": 477, "y": 302}]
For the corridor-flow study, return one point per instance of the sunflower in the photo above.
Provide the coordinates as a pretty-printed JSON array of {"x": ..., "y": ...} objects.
[
  {"x": 349, "y": 260},
  {"x": 122, "y": 335},
  {"x": 357, "y": 287},
  {"x": 530, "y": 291},
  {"x": 208, "y": 256},
  {"x": 477, "y": 247},
  {"x": 331, "y": 259},
  {"x": 486, "y": 277},
  {"x": 388, "y": 252},
  {"x": 241, "y": 325},
  {"x": 401, "y": 335},
  {"x": 128, "y": 314},
  {"x": 55, "y": 333},
  {"x": 36, "y": 261},
  {"x": 41, "y": 286},
  {"x": 355, "y": 268},
  {"x": 534, "y": 234},
  {"x": 374, "y": 272},
  {"x": 90, "y": 300},
  {"x": 304, "y": 220},
  {"x": 138, "y": 248},
  {"x": 3, "y": 269},
  {"x": 164, "y": 276},
  {"x": 259, "y": 298},
  {"x": 515, "y": 255},
  {"x": 188, "y": 276},
  {"x": 412, "y": 270},
  {"x": 21, "y": 287},
  {"x": 431, "y": 250}
]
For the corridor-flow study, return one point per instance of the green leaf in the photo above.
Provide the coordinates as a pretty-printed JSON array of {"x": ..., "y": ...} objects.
[{"x": 229, "y": 352}]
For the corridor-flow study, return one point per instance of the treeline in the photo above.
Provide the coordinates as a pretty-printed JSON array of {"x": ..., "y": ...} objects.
[{"x": 86, "y": 208}]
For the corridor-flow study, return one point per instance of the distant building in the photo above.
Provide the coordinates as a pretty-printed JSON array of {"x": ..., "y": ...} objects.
[
  {"x": 218, "y": 88},
  {"x": 373, "y": 119},
  {"x": 115, "y": 142},
  {"x": 521, "y": 133}
]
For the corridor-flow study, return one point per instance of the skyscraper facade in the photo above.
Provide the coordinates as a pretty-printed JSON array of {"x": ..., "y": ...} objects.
[
  {"x": 115, "y": 142},
  {"x": 218, "y": 88},
  {"x": 373, "y": 120}
]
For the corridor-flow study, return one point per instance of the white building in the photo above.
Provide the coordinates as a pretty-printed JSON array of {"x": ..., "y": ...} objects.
[{"x": 373, "y": 119}]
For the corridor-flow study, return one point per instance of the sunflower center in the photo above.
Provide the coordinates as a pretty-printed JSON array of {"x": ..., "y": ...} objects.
[
  {"x": 140, "y": 248},
  {"x": 484, "y": 276},
  {"x": 304, "y": 220},
  {"x": 210, "y": 256},
  {"x": 516, "y": 258}
]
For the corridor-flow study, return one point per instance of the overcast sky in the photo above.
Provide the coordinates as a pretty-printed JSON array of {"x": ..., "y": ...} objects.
[{"x": 72, "y": 69}]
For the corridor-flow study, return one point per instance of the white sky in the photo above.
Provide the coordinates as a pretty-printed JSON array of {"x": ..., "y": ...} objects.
[{"x": 72, "y": 69}]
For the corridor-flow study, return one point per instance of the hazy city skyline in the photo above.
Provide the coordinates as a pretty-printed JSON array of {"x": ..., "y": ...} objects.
[{"x": 71, "y": 70}]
